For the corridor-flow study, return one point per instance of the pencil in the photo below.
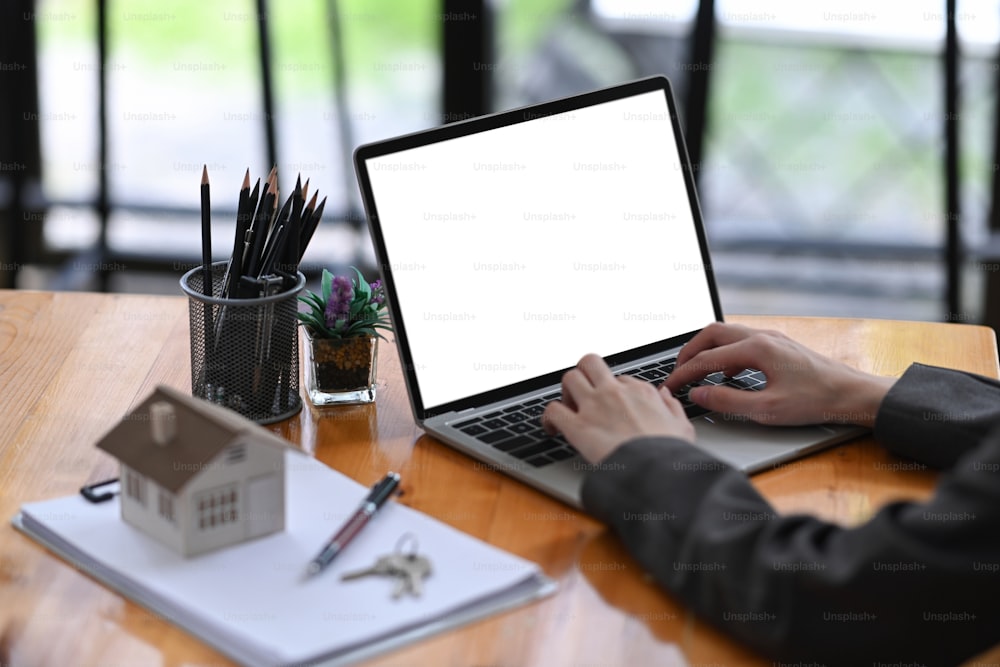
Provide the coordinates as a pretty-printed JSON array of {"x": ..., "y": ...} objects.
[
  {"x": 281, "y": 218},
  {"x": 310, "y": 229},
  {"x": 272, "y": 252},
  {"x": 286, "y": 247},
  {"x": 256, "y": 224},
  {"x": 235, "y": 267},
  {"x": 251, "y": 208},
  {"x": 206, "y": 233},
  {"x": 272, "y": 179},
  {"x": 262, "y": 225},
  {"x": 290, "y": 253},
  {"x": 206, "y": 270}
]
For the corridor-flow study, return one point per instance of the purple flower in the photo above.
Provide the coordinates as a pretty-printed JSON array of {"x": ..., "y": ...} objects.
[
  {"x": 338, "y": 309},
  {"x": 378, "y": 294}
]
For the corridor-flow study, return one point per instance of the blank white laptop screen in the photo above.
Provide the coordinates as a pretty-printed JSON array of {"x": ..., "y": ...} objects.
[{"x": 519, "y": 249}]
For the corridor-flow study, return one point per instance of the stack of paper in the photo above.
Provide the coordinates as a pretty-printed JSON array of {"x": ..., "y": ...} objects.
[{"x": 252, "y": 602}]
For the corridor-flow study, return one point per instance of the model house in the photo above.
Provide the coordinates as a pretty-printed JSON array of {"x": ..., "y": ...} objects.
[{"x": 196, "y": 476}]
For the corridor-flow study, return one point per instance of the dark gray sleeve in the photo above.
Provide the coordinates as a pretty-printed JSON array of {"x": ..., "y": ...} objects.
[
  {"x": 934, "y": 415},
  {"x": 917, "y": 584}
]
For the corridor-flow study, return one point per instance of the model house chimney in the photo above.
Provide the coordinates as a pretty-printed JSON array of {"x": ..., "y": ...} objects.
[{"x": 162, "y": 422}]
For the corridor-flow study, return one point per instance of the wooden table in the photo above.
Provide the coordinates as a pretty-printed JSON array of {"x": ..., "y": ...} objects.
[{"x": 72, "y": 364}]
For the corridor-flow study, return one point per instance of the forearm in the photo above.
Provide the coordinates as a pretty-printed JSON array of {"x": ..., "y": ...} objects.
[
  {"x": 796, "y": 588},
  {"x": 934, "y": 415}
]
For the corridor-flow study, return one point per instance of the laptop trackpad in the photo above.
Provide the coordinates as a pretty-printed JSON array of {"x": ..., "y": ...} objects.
[{"x": 752, "y": 447}]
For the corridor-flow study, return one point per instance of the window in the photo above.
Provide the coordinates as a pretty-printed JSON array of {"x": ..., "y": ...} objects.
[
  {"x": 217, "y": 507},
  {"x": 166, "y": 505},
  {"x": 184, "y": 89},
  {"x": 135, "y": 487},
  {"x": 236, "y": 454}
]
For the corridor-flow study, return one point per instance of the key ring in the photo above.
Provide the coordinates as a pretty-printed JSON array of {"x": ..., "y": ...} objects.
[{"x": 404, "y": 538}]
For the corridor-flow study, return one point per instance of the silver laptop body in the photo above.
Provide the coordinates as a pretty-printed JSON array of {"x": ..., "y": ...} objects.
[{"x": 512, "y": 244}]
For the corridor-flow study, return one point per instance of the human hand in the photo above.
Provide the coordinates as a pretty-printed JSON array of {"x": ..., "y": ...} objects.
[
  {"x": 599, "y": 412},
  {"x": 803, "y": 386}
]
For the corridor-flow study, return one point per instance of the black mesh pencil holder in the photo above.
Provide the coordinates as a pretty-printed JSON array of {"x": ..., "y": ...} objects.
[{"x": 244, "y": 351}]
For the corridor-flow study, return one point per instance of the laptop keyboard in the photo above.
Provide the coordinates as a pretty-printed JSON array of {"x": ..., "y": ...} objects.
[{"x": 517, "y": 429}]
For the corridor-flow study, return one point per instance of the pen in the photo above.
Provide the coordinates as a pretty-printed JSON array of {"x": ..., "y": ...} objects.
[{"x": 371, "y": 504}]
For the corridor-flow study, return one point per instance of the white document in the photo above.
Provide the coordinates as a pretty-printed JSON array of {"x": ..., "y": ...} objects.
[{"x": 252, "y": 602}]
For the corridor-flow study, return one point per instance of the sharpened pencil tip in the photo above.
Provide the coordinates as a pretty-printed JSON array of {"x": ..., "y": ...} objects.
[
  {"x": 204, "y": 175},
  {"x": 246, "y": 180}
]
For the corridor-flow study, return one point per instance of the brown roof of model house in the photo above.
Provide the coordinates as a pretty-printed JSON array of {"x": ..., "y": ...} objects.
[{"x": 200, "y": 431}]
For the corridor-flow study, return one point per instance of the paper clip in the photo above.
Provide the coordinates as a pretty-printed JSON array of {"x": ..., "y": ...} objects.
[{"x": 88, "y": 491}]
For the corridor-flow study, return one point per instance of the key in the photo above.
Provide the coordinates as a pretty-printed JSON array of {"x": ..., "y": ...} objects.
[
  {"x": 385, "y": 566},
  {"x": 415, "y": 569},
  {"x": 408, "y": 568}
]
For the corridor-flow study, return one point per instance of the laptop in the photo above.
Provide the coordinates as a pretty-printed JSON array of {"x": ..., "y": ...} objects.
[{"x": 512, "y": 244}]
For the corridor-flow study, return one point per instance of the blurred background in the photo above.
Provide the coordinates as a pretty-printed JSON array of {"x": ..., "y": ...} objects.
[{"x": 845, "y": 151}]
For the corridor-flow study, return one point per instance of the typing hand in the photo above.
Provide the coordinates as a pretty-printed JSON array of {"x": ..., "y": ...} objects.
[
  {"x": 598, "y": 411},
  {"x": 803, "y": 387}
]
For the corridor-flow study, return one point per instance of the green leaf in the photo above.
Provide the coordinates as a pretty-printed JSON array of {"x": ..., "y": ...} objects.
[
  {"x": 313, "y": 301},
  {"x": 327, "y": 286},
  {"x": 361, "y": 287}
]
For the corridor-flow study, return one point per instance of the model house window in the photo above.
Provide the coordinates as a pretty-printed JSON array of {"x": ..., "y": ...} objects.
[
  {"x": 166, "y": 505},
  {"x": 135, "y": 487},
  {"x": 236, "y": 454},
  {"x": 217, "y": 507}
]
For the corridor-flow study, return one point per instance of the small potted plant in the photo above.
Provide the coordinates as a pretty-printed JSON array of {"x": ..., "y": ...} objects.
[{"x": 342, "y": 335}]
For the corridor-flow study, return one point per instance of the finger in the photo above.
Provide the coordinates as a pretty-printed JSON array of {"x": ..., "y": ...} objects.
[
  {"x": 549, "y": 417},
  {"x": 714, "y": 335},
  {"x": 576, "y": 387},
  {"x": 556, "y": 418},
  {"x": 750, "y": 404},
  {"x": 567, "y": 397},
  {"x": 595, "y": 369},
  {"x": 671, "y": 402},
  {"x": 730, "y": 359}
]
